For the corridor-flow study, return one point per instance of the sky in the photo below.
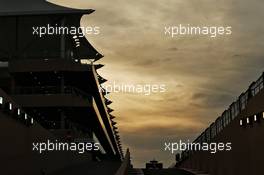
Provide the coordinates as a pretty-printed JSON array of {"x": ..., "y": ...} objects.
[{"x": 203, "y": 75}]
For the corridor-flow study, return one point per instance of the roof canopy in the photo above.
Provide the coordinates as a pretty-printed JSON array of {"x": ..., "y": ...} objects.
[
  {"x": 35, "y": 7},
  {"x": 37, "y": 12}
]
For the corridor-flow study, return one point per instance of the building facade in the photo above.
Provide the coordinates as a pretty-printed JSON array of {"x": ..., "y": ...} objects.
[{"x": 50, "y": 88}]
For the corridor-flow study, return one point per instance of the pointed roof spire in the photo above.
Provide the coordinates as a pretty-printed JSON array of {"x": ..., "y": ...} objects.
[
  {"x": 114, "y": 123},
  {"x": 108, "y": 102},
  {"x": 98, "y": 66},
  {"x": 101, "y": 79},
  {"x": 111, "y": 116},
  {"x": 109, "y": 110}
]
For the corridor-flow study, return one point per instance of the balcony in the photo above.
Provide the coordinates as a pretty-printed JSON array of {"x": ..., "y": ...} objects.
[
  {"x": 51, "y": 96},
  {"x": 46, "y": 65}
]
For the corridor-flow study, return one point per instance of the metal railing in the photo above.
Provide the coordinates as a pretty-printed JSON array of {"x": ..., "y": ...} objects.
[
  {"x": 50, "y": 90},
  {"x": 230, "y": 114},
  {"x": 10, "y": 108}
]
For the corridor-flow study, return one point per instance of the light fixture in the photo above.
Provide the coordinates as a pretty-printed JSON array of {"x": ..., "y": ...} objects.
[
  {"x": 26, "y": 117},
  {"x": 74, "y": 37},
  {"x": 1, "y": 100},
  {"x": 247, "y": 120},
  {"x": 18, "y": 111},
  {"x": 241, "y": 122},
  {"x": 32, "y": 121},
  {"x": 10, "y": 106},
  {"x": 255, "y": 118}
]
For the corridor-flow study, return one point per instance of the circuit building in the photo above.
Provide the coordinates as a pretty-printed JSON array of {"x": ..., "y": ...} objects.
[{"x": 46, "y": 92}]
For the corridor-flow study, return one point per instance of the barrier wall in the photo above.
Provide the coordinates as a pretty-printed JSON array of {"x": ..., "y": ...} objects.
[
  {"x": 16, "y": 144},
  {"x": 16, "y": 152},
  {"x": 247, "y": 154}
]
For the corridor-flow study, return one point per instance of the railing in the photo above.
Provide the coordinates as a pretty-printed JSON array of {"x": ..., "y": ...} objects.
[
  {"x": 39, "y": 54},
  {"x": 47, "y": 90},
  {"x": 257, "y": 86},
  {"x": 50, "y": 90},
  {"x": 10, "y": 108},
  {"x": 228, "y": 115},
  {"x": 123, "y": 169}
]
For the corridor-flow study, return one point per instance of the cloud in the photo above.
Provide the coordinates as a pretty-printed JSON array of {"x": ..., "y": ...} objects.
[{"x": 202, "y": 75}]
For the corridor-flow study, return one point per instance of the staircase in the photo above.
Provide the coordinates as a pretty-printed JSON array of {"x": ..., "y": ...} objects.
[{"x": 134, "y": 171}]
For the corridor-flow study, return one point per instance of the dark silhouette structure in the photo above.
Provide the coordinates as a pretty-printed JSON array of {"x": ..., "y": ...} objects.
[
  {"x": 50, "y": 90},
  {"x": 154, "y": 164},
  {"x": 242, "y": 125}
]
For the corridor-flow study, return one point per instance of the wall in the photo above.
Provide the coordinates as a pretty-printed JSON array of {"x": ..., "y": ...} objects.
[
  {"x": 247, "y": 154},
  {"x": 16, "y": 152}
]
